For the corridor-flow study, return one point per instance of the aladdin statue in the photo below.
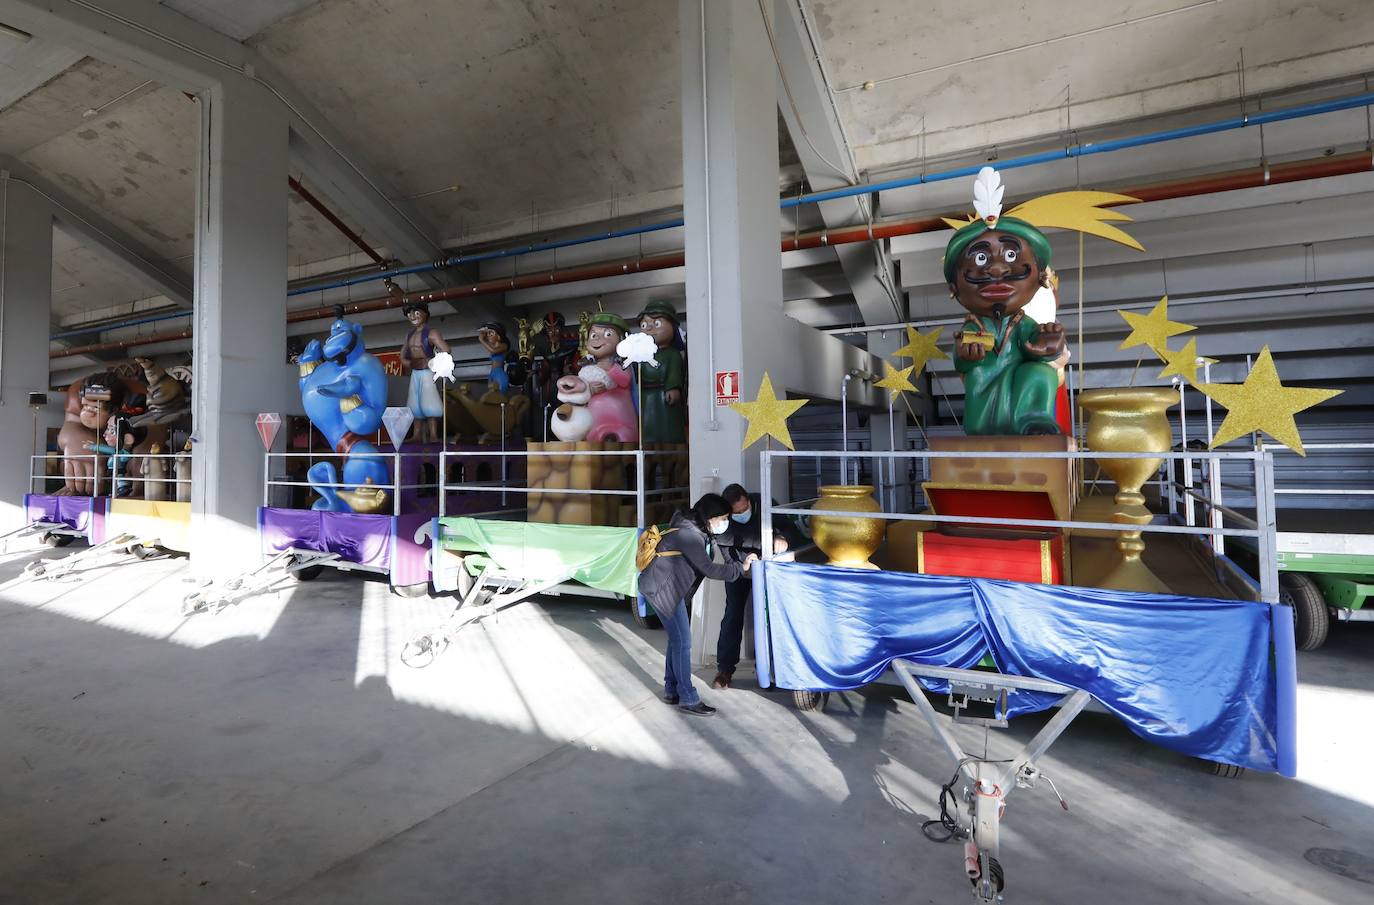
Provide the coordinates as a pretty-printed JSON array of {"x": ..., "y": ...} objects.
[
  {"x": 612, "y": 409},
  {"x": 663, "y": 407},
  {"x": 422, "y": 343},
  {"x": 994, "y": 267}
]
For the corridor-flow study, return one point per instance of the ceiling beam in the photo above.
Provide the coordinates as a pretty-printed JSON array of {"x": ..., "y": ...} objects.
[
  {"x": 179, "y": 52},
  {"x": 124, "y": 250},
  {"x": 808, "y": 109}
]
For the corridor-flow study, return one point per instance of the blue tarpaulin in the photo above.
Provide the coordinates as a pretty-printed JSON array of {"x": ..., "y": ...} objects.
[{"x": 1207, "y": 678}]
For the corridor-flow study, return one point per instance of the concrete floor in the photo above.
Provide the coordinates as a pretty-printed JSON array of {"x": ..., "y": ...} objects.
[{"x": 280, "y": 752}]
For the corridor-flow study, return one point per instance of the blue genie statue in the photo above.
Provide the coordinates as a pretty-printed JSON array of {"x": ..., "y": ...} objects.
[{"x": 343, "y": 390}]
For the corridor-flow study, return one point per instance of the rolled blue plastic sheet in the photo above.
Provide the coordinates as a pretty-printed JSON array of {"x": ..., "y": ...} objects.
[{"x": 1199, "y": 676}]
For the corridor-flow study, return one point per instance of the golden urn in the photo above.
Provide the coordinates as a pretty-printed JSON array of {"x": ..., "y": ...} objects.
[
  {"x": 1130, "y": 419},
  {"x": 848, "y": 540}
]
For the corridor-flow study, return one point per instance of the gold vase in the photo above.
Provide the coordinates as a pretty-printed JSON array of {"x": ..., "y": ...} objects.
[
  {"x": 1130, "y": 419},
  {"x": 848, "y": 540}
]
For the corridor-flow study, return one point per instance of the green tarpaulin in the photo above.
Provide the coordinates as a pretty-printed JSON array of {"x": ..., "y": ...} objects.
[{"x": 602, "y": 558}]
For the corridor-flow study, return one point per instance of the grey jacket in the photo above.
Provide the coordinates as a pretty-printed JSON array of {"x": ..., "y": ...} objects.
[{"x": 669, "y": 580}]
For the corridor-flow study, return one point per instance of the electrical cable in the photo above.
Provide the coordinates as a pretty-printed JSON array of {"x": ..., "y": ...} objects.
[
  {"x": 787, "y": 90},
  {"x": 947, "y": 821}
]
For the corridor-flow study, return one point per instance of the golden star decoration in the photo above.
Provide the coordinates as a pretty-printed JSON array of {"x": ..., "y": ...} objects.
[
  {"x": 921, "y": 348},
  {"x": 896, "y": 380},
  {"x": 1184, "y": 362},
  {"x": 767, "y": 415},
  {"x": 1263, "y": 403},
  {"x": 1153, "y": 329}
]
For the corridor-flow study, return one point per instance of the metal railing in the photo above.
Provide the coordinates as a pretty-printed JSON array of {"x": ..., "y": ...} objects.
[
  {"x": 640, "y": 492},
  {"x": 102, "y": 474},
  {"x": 395, "y": 459},
  {"x": 1261, "y": 528}
]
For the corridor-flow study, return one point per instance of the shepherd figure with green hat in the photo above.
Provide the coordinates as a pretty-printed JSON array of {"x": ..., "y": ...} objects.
[
  {"x": 663, "y": 389},
  {"x": 994, "y": 267}
]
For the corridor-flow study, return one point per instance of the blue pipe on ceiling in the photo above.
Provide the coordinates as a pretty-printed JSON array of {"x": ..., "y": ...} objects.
[
  {"x": 1069, "y": 152},
  {"x": 101, "y": 328},
  {"x": 1088, "y": 148}
]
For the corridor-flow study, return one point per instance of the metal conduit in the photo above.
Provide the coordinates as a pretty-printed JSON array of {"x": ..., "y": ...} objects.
[{"x": 1251, "y": 177}]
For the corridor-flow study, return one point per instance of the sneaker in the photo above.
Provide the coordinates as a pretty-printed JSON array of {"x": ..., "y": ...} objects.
[
  {"x": 721, "y": 681},
  {"x": 699, "y": 708},
  {"x": 670, "y": 699}
]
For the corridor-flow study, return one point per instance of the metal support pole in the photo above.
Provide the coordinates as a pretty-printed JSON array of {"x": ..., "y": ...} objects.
[
  {"x": 844, "y": 428},
  {"x": 396, "y": 484},
  {"x": 766, "y": 501},
  {"x": 546, "y": 421},
  {"x": 443, "y": 481},
  {"x": 1188, "y": 514},
  {"x": 503, "y": 453},
  {"x": 639, "y": 489},
  {"x": 891, "y": 463},
  {"x": 1265, "y": 516},
  {"x": 266, "y": 478}
]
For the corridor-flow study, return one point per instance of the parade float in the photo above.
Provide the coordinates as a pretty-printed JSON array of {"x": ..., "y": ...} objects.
[
  {"x": 464, "y": 500},
  {"x": 120, "y": 476},
  {"x": 1020, "y": 585}
]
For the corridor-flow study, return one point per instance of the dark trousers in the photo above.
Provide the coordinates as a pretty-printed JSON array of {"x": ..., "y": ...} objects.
[{"x": 738, "y": 593}]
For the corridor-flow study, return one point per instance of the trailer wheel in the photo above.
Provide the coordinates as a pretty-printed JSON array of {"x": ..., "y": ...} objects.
[
  {"x": 1310, "y": 620},
  {"x": 1227, "y": 771},
  {"x": 57, "y": 540},
  {"x": 309, "y": 573},
  {"x": 810, "y": 700},
  {"x": 650, "y": 621},
  {"x": 410, "y": 591}
]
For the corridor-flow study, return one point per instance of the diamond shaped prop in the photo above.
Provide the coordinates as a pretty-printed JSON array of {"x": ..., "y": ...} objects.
[
  {"x": 268, "y": 425},
  {"x": 398, "y": 420}
]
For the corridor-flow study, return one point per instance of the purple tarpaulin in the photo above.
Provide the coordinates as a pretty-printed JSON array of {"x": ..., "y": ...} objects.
[
  {"x": 79, "y": 513},
  {"x": 379, "y": 541}
]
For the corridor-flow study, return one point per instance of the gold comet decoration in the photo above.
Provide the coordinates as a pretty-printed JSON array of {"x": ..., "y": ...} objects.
[
  {"x": 767, "y": 415},
  {"x": 1078, "y": 211},
  {"x": 1263, "y": 403}
]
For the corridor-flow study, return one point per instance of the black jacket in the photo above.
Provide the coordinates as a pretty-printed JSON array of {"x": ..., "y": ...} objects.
[
  {"x": 741, "y": 540},
  {"x": 669, "y": 580}
]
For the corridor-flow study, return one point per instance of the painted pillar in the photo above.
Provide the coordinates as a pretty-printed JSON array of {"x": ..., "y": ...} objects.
[
  {"x": 25, "y": 301},
  {"x": 240, "y": 296},
  {"x": 734, "y": 265}
]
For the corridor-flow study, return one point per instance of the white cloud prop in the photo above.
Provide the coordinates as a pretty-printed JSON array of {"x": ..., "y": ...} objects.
[
  {"x": 638, "y": 348},
  {"x": 442, "y": 365}
]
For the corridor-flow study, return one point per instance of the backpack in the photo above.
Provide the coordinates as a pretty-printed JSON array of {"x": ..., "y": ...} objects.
[{"x": 648, "y": 551}]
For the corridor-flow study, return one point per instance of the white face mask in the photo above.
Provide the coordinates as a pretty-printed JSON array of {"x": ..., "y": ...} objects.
[{"x": 718, "y": 527}]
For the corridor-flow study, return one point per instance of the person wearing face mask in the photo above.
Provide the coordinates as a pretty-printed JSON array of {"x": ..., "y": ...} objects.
[
  {"x": 744, "y": 538},
  {"x": 671, "y": 579}
]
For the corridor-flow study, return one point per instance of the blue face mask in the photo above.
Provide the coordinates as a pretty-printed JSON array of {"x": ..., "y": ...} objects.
[{"x": 742, "y": 517}]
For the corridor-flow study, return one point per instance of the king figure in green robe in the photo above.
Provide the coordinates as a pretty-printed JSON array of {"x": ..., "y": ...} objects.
[{"x": 994, "y": 267}]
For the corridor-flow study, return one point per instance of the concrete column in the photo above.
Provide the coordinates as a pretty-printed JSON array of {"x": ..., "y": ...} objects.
[
  {"x": 730, "y": 200},
  {"x": 240, "y": 338},
  {"x": 734, "y": 266},
  {"x": 25, "y": 300}
]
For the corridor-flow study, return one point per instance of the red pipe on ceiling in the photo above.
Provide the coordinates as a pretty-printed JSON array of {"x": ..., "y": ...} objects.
[
  {"x": 1251, "y": 177},
  {"x": 309, "y": 198}
]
